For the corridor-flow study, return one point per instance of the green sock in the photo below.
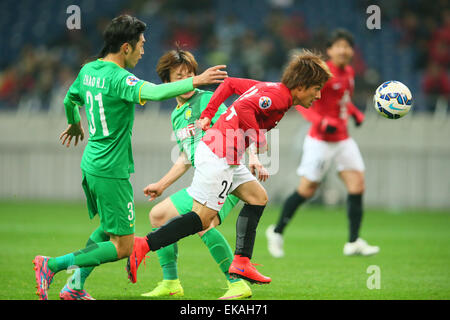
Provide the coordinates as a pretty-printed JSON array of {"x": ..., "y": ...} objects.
[
  {"x": 77, "y": 280},
  {"x": 91, "y": 256},
  {"x": 168, "y": 257},
  {"x": 220, "y": 250}
]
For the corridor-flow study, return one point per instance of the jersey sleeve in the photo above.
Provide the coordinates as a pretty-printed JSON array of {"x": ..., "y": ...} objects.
[
  {"x": 128, "y": 87},
  {"x": 72, "y": 102},
  {"x": 222, "y": 109},
  {"x": 153, "y": 92},
  {"x": 206, "y": 97},
  {"x": 226, "y": 89}
]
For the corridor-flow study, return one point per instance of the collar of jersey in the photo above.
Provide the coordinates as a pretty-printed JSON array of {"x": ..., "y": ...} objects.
[
  {"x": 109, "y": 61},
  {"x": 178, "y": 107}
]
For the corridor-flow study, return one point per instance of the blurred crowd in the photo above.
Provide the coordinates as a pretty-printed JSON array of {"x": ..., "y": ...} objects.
[
  {"x": 425, "y": 27},
  {"x": 40, "y": 75}
]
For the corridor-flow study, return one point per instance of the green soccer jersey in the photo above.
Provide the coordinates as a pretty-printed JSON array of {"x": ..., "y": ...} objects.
[
  {"x": 183, "y": 121},
  {"x": 110, "y": 94}
]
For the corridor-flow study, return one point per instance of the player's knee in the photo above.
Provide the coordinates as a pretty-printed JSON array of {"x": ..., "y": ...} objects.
[
  {"x": 124, "y": 248},
  {"x": 258, "y": 199},
  {"x": 307, "y": 191},
  {"x": 156, "y": 217},
  {"x": 357, "y": 186}
]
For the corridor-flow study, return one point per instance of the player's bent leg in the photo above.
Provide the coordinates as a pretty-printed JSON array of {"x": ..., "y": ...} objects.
[
  {"x": 176, "y": 204},
  {"x": 354, "y": 181},
  {"x": 256, "y": 199},
  {"x": 172, "y": 231},
  {"x": 307, "y": 188},
  {"x": 252, "y": 192},
  {"x": 91, "y": 256},
  {"x": 74, "y": 289},
  {"x": 162, "y": 212},
  {"x": 124, "y": 245}
]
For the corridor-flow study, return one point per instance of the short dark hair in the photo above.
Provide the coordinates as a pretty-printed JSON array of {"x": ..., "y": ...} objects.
[
  {"x": 340, "y": 34},
  {"x": 173, "y": 59},
  {"x": 122, "y": 29}
]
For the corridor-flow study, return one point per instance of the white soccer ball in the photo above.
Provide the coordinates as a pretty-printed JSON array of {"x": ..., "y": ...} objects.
[{"x": 392, "y": 99}]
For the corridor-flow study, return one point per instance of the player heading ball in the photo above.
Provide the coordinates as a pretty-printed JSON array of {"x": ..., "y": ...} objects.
[{"x": 219, "y": 170}]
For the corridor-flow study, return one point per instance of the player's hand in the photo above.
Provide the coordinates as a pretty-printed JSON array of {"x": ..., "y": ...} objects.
[
  {"x": 73, "y": 130},
  {"x": 153, "y": 190},
  {"x": 204, "y": 123},
  {"x": 211, "y": 75},
  {"x": 257, "y": 169},
  {"x": 329, "y": 125},
  {"x": 358, "y": 117}
]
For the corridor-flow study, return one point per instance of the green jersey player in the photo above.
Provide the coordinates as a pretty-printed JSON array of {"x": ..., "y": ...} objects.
[
  {"x": 172, "y": 66},
  {"x": 110, "y": 94}
]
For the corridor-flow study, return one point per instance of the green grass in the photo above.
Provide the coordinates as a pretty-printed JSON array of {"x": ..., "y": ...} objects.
[{"x": 414, "y": 258}]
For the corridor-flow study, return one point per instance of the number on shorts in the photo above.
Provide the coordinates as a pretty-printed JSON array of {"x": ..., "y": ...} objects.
[
  {"x": 130, "y": 209},
  {"x": 225, "y": 185}
]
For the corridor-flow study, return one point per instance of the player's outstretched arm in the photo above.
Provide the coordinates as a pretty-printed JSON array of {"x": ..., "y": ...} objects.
[
  {"x": 153, "y": 92},
  {"x": 180, "y": 167},
  {"x": 226, "y": 89},
  {"x": 213, "y": 75}
]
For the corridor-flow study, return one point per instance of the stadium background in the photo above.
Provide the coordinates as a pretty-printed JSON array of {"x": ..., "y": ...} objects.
[
  {"x": 42, "y": 206},
  {"x": 407, "y": 160}
]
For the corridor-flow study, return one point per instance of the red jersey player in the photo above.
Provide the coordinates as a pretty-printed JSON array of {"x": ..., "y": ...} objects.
[
  {"x": 327, "y": 142},
  {"x": 218, "y": 166}
]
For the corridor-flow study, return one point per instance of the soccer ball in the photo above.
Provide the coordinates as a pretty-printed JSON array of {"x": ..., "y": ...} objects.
[{"x": 392, "y": 99}]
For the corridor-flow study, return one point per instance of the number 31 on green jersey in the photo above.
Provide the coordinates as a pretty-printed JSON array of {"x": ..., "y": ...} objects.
[{"x": 101, "y": 110}]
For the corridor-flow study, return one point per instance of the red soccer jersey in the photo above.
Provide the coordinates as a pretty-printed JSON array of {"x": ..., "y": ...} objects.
[
  {"x": 334, "y": 105},
  {"x": 258, "y": 109}
]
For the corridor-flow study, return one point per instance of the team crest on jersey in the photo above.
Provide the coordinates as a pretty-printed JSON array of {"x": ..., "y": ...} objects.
[
  {"x": 188, "y": 113},
  {"x": 265, "y": 102},
  {"x": 132, "y": 80}
]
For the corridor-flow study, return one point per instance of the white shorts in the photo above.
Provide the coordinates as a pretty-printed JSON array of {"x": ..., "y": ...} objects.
[
  {"x": 214, "y": 178},
  {"x": 318, "y": 156}
]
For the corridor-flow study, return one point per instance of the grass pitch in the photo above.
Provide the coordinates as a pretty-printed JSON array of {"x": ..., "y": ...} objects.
[{"x": 413, "y": 262}]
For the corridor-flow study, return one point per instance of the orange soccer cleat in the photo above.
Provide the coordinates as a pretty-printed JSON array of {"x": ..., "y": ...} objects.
[
  {"x": 241, "y": 267},
  {"x": 140, "y": 249}
]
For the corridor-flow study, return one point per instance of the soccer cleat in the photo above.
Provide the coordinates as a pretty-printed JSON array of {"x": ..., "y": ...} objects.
[
  {"x": 140, "y": 249},
  {"x": 241, "y": 267},
  {"x": 166, "y": 288},
  {"x": 44, "y": 276},
  {"x": 274, "y": 242},
  {"x": 360, "y": 247},
  {"x": 237, "y": 290},
  {"x": 70, "y": 294}
]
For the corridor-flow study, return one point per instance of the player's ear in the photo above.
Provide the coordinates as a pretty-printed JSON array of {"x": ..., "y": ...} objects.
[{"x": 125, "y": 48}]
